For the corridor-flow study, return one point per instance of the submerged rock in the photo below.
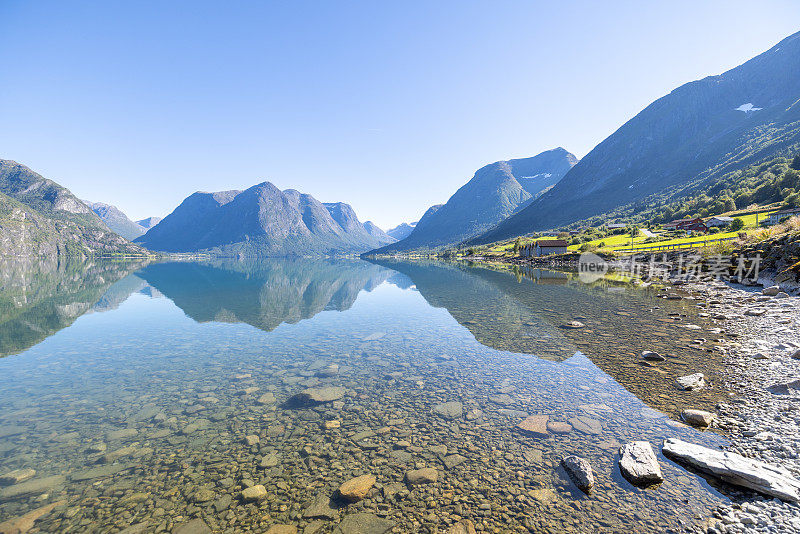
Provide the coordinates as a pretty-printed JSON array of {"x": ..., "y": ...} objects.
[
  {"x": 195, "y": 526},
  {"x": 323, "y": 394},
  {"x": 535, "y": 425},
  {"x": 357, "y": 488},
  {"x": 16, "y": 476},
  {"x": 691, "y": 382},
  {"x": 572, "y": 325},
  {"x": 97, "y": 472},
  {"x": 38, "y": 485},
  {"x": 254, "y": 493},
  {"x": 24, "y": 523},
  {"x": 559, "y": 427},
  {"x": 270, "y": 460},
  {"x": 321, "y": 508},
  {"x": 735, "y": 469},
  {"x": 652, "y": 356},
  {"x": 465, "y": 526},
  {"x": 449, "y": 410},
  {"x": 698, "y": 417},
  {"x": 587, "y": 425},
  {"x": 282, "y": 529},
  {"x": 453, "y": 460},
  {"x": 638, "y": 463},
  {"x": 580, "y": 471},
  {"x": 426, "y": 475},
  {"x": 363, "y": 523},
  {"x": 266, "y": 398}
]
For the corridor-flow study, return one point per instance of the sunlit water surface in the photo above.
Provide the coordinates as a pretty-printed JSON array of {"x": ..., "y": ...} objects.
[{"x": 131, "y": 396}]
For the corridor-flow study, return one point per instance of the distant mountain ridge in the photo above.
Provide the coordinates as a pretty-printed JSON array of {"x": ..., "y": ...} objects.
[
  {"x": 148, "y": 223},
  {"x": 262, "y": 221},
  {"x": 117, "y": 221},
  {"x": 699, "y": 131},
  {"x": 39, "y": 217},
  {"x": 402, "y": 230},
  {"x": 495, "y": 192}
]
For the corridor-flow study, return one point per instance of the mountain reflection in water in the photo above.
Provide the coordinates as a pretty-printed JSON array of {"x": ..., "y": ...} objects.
[
  {"x": 524, "y": 312},
  {"x": 39, "y": 298},
  {"x": 264, "y": 294},
  {"x": 155, "y": 404}
]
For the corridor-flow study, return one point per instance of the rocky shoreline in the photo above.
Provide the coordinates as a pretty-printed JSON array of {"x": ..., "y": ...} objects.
[
  {"x": 760, "y": 323},
  {"x": 762, "y": 419}
]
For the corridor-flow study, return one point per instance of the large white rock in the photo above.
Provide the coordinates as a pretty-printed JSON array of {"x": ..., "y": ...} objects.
[
  {"x": 639, "y": 464},
  {"x": 735, "y": 469},
  {"x": 691, "y": 382}
]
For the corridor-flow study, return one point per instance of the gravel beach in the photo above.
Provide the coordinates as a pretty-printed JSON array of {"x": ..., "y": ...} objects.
[{"x": 762, "y": 419}]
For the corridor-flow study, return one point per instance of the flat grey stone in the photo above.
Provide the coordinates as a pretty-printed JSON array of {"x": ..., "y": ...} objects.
[
  {"x": 449, "y": 410},
  {"x": 735, "y": 469},
  {"x": 195, "y": 526},
  {"x": 363, "y": 523},
  {"x": 638, "y": 463}
]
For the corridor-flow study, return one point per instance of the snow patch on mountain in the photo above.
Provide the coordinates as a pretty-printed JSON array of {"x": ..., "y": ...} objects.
[{"x": 747, "y": 108}]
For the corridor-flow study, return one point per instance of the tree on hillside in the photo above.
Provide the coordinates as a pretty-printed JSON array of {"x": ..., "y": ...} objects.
[
  {"x": 730, "y": 204},
  {"x": 796, "y": 163},
  {"x": 517, "y": 244},
  {"x": 737, "y": 224}
]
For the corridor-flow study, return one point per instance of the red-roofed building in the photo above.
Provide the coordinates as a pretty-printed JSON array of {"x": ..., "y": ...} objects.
[
  {"x": 691, "y": 225},
  {"x": 544, "y": 247}
]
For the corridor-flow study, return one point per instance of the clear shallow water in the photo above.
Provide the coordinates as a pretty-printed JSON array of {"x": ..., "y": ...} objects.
[{"x": 131, "y": 396}]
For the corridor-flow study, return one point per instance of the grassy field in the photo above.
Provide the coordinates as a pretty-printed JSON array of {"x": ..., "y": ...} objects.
[{"x": 623, "y": 241}]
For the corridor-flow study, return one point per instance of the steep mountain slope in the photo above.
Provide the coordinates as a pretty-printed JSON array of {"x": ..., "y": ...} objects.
[
  {"x": 699, "y": 131},
  {"x": 38, "y": 217},
  {"x": 402, "y": 231},
  {"x": 117, "y": 221},
  {"x": 260, "y": 221},
  {"x": 373, "y": 230},
  {"x": 148, "y": 223},
  {"x": 495, "y": 192}
]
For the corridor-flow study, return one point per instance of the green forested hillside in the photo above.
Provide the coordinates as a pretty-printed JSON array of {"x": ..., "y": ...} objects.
[
  {"x": 700, "y": 132},
  {"x": 770, "y": 182},
  {"x": 38, "y": 217}
]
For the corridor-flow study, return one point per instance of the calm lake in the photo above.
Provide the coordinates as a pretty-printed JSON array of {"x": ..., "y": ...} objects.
[{"x": 144, "y": 396}]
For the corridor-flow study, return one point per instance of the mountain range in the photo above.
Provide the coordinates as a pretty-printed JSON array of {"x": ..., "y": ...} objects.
[
  {"x": 119, "y": 223},
  {"x": 495, "y": 192},
  {"x": 38, "y": 217},
  {"x": 699, "y": 131},
  {"x": 262, "y": 221},
  {"x": 402, "y": 230}
]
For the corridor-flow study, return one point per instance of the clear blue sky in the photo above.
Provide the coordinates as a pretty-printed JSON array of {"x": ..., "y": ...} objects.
[{"x": 388, "y": 106}]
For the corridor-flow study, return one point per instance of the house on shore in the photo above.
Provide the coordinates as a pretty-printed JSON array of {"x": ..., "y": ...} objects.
[
  {"x": 543, "y": 247},
  {"x": 776, "y": 216},
  {"x": 690, "y": 225},
  {"x": 719, "y": 221}
]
